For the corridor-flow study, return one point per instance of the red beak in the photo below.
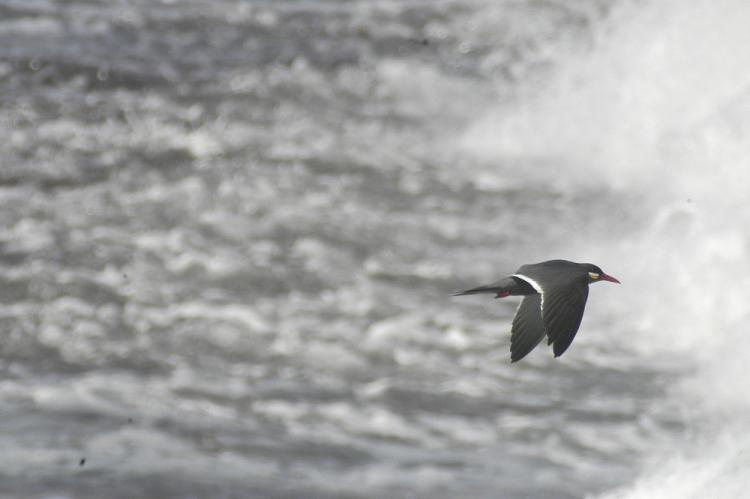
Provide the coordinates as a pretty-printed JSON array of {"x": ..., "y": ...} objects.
[{"x": 605, "y": 277}]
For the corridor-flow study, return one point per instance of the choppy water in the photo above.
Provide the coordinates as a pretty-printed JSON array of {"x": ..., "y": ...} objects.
[{"x": 229, "y": 231}]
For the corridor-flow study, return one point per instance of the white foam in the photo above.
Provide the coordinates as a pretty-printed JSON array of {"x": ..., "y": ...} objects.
[
  {"x": 659, "y": 111},
  {"x": 616, "y": 115}
]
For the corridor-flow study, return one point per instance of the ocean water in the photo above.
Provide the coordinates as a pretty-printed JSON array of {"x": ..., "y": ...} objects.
[{"x": 229, "y": 231}]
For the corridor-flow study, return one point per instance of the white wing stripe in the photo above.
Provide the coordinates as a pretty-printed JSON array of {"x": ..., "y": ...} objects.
[
  {"x": 531, "y": 281},
  {"x": 534, "y": 285}
]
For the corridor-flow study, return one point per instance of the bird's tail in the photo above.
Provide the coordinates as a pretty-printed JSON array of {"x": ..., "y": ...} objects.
[
  {"x": 502, "y": 288},
  {"x": 479, "y": 290}
]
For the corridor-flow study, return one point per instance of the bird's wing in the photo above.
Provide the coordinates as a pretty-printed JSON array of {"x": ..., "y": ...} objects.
[
  {"x": 528, "y": 327},
  {"x": 562, "y": 311},
  {"x": 562, "y": 303}
]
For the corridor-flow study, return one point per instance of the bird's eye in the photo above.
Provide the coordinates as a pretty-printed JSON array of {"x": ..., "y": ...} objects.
[{"x": 594, "y": 276}]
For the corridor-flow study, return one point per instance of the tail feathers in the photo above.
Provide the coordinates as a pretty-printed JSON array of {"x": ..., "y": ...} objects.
[
  {"x": 480, "y": 290},
  {"x": 503, "y": 287}
]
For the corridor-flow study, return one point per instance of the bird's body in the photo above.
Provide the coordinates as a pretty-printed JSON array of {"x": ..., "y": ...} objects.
[{"x": 555, "y": 294}]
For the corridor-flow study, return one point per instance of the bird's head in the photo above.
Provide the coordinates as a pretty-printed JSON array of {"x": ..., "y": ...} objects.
[{"x": 596, "y": 274}]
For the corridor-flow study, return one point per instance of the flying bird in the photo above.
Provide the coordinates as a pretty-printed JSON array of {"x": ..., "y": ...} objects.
[{"x": 554, "y": 297}]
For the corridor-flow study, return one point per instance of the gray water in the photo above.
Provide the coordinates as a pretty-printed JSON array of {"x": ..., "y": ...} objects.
[{"x": 229, "y": 231}]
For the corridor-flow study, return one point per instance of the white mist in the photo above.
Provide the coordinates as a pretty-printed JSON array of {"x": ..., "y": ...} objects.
[{"x": 659, "y": 112}]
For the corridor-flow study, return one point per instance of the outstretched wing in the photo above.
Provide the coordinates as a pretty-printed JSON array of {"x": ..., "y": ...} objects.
[
  {"x": 528, "y": 327},
  {"x": 562, "y": 311}
]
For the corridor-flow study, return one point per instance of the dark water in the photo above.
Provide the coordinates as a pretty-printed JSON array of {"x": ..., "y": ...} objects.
[{"x": 229, "y": 231}]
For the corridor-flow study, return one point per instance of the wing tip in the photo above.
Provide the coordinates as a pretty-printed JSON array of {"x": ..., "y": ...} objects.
[
  {"x": 558, "y": 351},
  {"x": 516, "y": 355}
]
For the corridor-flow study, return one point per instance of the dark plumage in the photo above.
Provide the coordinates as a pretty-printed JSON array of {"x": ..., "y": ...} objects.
[{"x": 554, "y": 298}]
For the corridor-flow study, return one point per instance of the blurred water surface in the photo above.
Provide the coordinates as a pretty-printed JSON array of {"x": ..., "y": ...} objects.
[{"x": 229, "y": 231}]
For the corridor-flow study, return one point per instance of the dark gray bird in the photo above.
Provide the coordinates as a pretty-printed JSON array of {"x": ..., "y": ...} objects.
[{"x": 554, "y": 297}]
